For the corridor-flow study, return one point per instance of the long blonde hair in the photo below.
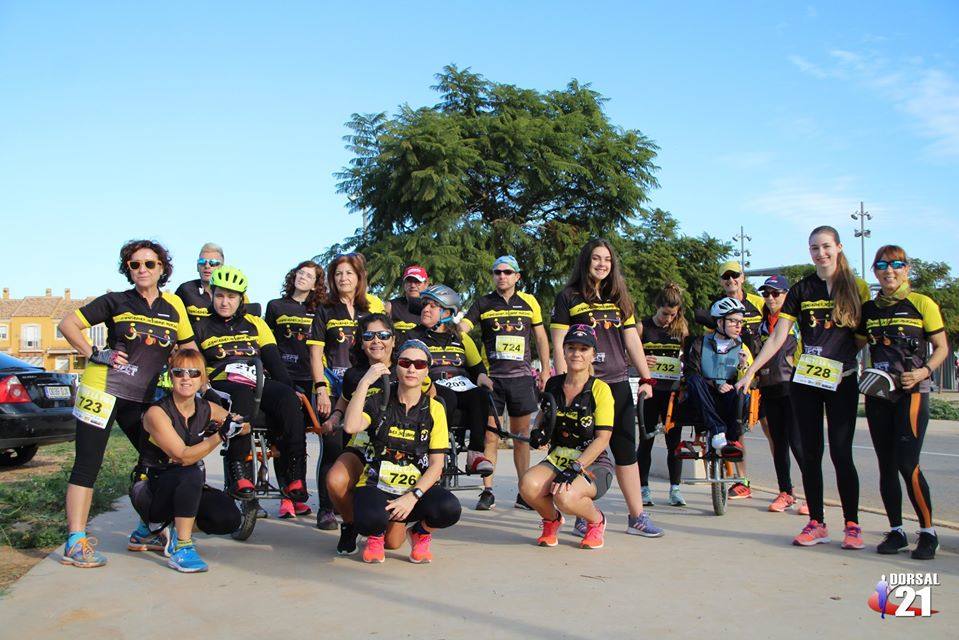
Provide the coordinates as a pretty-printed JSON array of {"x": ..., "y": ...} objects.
[
  {"x": 672, "y": 296},
  {"x": 845, "y": 293}
]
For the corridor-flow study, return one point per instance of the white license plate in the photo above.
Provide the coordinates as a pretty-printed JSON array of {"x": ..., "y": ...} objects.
[{"x": 57, "y": 393}]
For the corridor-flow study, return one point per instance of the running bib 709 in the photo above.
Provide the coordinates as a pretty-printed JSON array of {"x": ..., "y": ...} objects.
[
  {"x": 457, "y": 383},
  {"x": 666, "y": 368},
  {"x": 396, "y": 478},
  {"x": 93, "y": 406},
  {"x": 817, "y": 371},
  {"x": 241, "y": 373},
  {"x": 510, "y": 347},
  {"x": 562, "y": 457}
]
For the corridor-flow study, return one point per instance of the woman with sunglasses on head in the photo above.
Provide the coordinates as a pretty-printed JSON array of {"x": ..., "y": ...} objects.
[
  {"x": 408, "y": 444},
  {"x": 596, "y": 295},
  {"x": 375, "y": 346},
  {"x": 827, "y": 306},
  {"x": 899, "y": 326},
  {"x": 774, "y": 382},
  {"x": 331, "y": 342},
  {"x": 143, "y": 326},
  {"x": 195, "y": 294},
  {"x": 230, "y": 339},
  {"x": 179, "y": 432},
  {"x": 291, "y": 319},
  {"x": 663, "y": 335}
]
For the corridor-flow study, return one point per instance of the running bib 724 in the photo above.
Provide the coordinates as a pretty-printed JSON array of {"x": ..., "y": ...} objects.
[
  {"x": 93, "y": 406},
  {"x": 817, "y": 371},
  {"x": 510, "y": 347}
]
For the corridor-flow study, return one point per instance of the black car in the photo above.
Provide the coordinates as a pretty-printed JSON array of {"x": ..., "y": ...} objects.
[{"x": 36, "y": 408}]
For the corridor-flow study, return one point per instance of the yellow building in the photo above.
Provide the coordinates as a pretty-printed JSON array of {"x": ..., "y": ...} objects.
[{"x": 28, "y": 330}]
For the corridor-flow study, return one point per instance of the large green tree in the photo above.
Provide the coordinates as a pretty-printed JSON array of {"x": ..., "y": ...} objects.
[
  {"x": 494, "y": 168},
  {"x": 936, "y": 281}
]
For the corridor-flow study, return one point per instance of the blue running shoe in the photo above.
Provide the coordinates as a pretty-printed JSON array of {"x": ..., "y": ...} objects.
[
  {"x": 187, "y": 560},
  {"x": 579, "y": 528},
  {"x": 142, "y": 539},
  {"x": 171, "y": 541},
  {"x": 82, "y": 554},
  {"x": 648, "y": 498},
  {"x": 642, "y": 525}
]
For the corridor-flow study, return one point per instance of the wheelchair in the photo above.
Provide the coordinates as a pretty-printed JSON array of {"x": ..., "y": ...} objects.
[
  {"x": 720, "y": 472},
  {"x": 262, "y": 450}
]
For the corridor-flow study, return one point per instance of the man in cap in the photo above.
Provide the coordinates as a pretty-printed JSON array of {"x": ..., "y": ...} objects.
[{"x": 404, "y": 310}]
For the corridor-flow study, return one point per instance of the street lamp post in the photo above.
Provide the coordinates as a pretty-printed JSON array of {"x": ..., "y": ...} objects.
[
  {"x": 862, "y": 233},
  {"x": 743, "y": 252}
]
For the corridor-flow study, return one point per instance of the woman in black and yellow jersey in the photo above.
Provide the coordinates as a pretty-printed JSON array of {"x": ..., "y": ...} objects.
[
  {"x": 899, "y": 325},
  {"x": 229, "y": 339},
  {"x": 596, "y": 295},
  {"x": 408, "y": 443},
  {"x": 375, "y": 346},
  {"x": 576, "y": 471},
  {"x": 331, "y": 341},
  {"x": 118, "y": 384},
  {"x": 827, "y": 305},
  {"x": 663, "y": 335},
  {"x": 290, "y": 318}
]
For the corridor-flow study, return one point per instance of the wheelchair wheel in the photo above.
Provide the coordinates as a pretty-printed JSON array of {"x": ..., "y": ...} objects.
[
  {"x": 248, "y": 513},
  {"x": 720, "y": 490}
]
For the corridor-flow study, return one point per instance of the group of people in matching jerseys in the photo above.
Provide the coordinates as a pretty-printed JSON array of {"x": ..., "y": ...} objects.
[{"x": 386, "y": 377}]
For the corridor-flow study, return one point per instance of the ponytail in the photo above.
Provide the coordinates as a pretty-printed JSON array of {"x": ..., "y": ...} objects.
[
  {"x": 672, "y": 296},
  {"x": 845, "y": 292}
]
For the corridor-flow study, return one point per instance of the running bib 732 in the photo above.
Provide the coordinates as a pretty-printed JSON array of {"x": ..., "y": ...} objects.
[{"x": 666, "y": 368}]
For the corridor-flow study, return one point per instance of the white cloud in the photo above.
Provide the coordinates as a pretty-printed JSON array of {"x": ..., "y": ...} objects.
[
  {"x": 746, "y": 160},
  {"x": 806, "y": 205}
]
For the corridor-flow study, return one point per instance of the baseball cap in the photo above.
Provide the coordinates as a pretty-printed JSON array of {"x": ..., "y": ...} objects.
[
  {"x": 581, "y": 334},
  {"x": 730, "y": 265},
  {"x": 777, "y": 281},
  {"x": 416, "y": 272}
]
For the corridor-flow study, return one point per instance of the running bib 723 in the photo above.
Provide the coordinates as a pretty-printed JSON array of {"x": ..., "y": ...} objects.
[
  {"x": 93, "y": 406},
  {"x": 817, "y": 371}
]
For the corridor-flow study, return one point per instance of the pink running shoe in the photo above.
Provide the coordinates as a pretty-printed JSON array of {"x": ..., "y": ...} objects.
[
  {"x": 852, "y": 538},
  {"x": 286, "y": 509},
  {"x": 375, "y": 550},
  {"x": 550, "y": 529},
  {"x": 594, "y": 534},
  {"x": 420, "y": 547},
  {"x": 813, "y": 533},
  {"x": 782, "y": 502}
]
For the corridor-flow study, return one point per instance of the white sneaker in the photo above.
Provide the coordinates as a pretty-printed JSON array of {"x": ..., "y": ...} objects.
[{"x": 718, "y": 441}]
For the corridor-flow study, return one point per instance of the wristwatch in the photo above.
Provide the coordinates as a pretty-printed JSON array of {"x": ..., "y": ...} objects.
[{"x": 417, "y": 492}]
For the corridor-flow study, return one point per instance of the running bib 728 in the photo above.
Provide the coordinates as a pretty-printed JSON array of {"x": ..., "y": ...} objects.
[
  {"x": 666, "y": 368},
  {"x": 93, "y": 406},
  {"x": 396, "y": 478},
  {"x": 457, "y": 383},
  {"x": 510, "y": 347},
  {"x": 562, "y": 457},
  {"x": 817, "y": 371}
]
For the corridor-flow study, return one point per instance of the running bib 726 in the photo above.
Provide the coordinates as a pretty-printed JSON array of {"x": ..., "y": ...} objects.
[
  {"x": 510, "y": 347},
  {"x": 562, "y": 457},
  {"x": 666, "y": 368},
  {"x": 817, "y": 371},
  {"x": 397, "y": 478},
  {"x": 93, "y": 406}
]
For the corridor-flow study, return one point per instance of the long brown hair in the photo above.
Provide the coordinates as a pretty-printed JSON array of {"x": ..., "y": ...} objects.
[
  {"x": 317, "y": 296},
  {"x": 611, "y": 289},
  {"x": 358, "y": 262},
  {"x": 845, "y": 293},
  {"x": 672, "y": 296}
]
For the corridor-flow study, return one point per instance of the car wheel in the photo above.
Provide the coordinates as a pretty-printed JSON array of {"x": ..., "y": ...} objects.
[{"x": 18, "y": 456}]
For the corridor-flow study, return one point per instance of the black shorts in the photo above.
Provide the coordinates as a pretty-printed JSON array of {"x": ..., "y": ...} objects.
[{"x": 516, "y": 395}]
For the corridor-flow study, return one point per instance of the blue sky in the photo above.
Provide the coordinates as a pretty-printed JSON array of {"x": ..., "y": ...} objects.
[{"x": 190, "y": 122}]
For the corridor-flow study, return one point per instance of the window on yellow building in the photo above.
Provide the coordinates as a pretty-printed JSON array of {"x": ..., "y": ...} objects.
[
  {"x": 30, "y": 337},
  {"x": 57, "y": 333},
  {"x": 4, "y": 332},
  {"x": 61, "y": 363}
]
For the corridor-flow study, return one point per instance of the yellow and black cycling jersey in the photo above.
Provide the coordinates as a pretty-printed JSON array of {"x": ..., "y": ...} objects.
[
  {"x": 335, "y": 330},
  {"x": 658, "y": 341},
  {"x": 810, "y": 305},
  {"x": 590, "y": 411},
  {"x": 607, "y": 320},
  {"x": 228, "y": 341},
  {"x": 291, "y": 324},
  {"x": 405, "y": 314},
  {"x": 145, "y": 333},
  {"x": 506, "y": 327},
  {"x": 196, "y": 300},
  {"x": 400, "y": 438},
  {"x": 898, "y": 335},
  {"x": 454, "y": 353}
]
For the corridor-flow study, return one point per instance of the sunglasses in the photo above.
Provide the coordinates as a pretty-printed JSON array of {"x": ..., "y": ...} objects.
[
  {"x": 382, "y": 335},
  {"x": 213, "y": 262},
  {"x": 772, "y": 293},
  {"x": 177, "y": 372},
  {"x": 503, "y": 272},
  {"x": 730, "y": 275},
  {"x": 406, "y": 363},
  {"x": 882, "y": 265},
  {"x": 149, "y": 264}
]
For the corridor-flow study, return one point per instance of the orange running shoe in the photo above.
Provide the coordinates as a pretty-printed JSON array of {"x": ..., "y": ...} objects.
[
  {"x": 594, "y": 534},
  {"x": 286, "y": 509},
  {"x": 852, "y": 538},
  {"x": 374, "y": 551},
  {"x": 420, "y": 547},
  {"x": 782, "y": 502},
  {"x": 550, "y": 529},
  {"x": 803, "y": 509},
  {"x": 812, "y": 533},
  {"x": 740, "y": 491}
]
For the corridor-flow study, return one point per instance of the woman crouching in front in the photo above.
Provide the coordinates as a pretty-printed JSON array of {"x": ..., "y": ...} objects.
[
  {"x": 408, "y": 443},
  {"x": 577, "y": 470}
]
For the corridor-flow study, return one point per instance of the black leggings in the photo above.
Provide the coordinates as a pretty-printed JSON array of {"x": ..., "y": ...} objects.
[
  {"x": 91, "y": 441},
  {"x": 655, "y": 412},
  {"x": 623, "y": 442},
  {"x": 438, "y": 509},
  {"x": 282, "y": 408},
  {"x": 332, "y": 448},
  {"x": 179, "y": 492},
  {"x": 784, "y": 436},
  {"x": 897, "y": 429},
  {"x": 839, "y": 406},
  {"x": 474, "y": 412}
]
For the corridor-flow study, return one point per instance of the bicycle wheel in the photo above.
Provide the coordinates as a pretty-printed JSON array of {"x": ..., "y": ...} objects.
[
  {"x": 248, "y": 513},
  {"x": 720, "y": 491}
]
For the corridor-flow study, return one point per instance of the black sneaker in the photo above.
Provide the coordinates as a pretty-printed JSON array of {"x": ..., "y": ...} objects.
[
  {"x": 326, "y": 520},
  {"x": 347, "y": 544},
  {"x": 521, "y": 504},
  {"x": 486, "y": 500},
  {"x": 894, "y": 541},
  {"x": 926, "y": 547}
]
